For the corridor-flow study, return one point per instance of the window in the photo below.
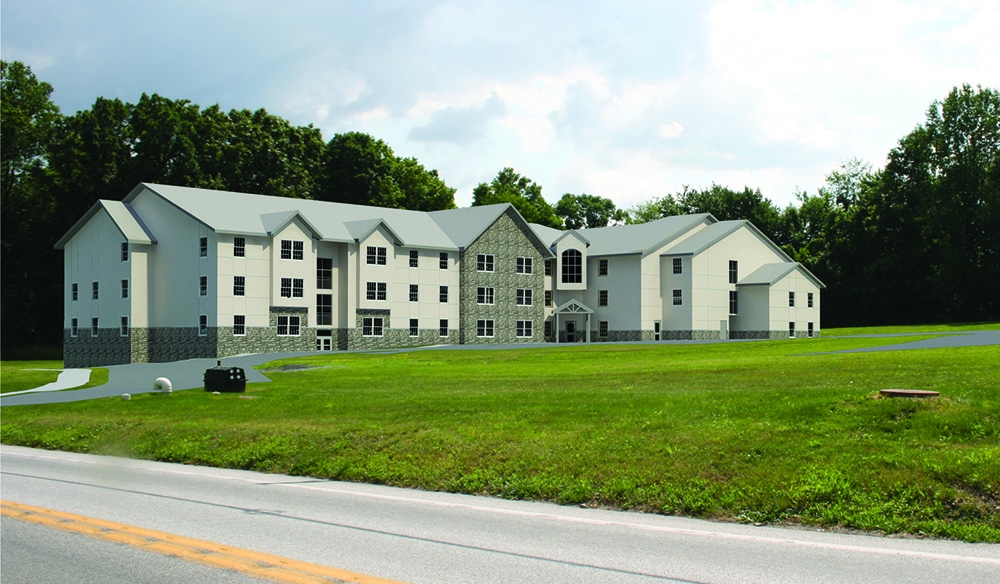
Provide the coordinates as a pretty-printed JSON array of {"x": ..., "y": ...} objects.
[
  {"x": 413, "y": 258},
  {"x": 202, "y": 325},
  {"x": 324, "y": 309},
  {"x": 203, "y": 247},
  {"x": 791, "y": 330},
  {"x": 375, "y": 256},
  {"x": 548, "y": 328},
  {"x": 523, "y": 329},
  {"x": 443, "y": 294},
  {"x": 414, "y": 327},
  {"x": 74, "y": 327},
  {"x": 523, "y": 265},
  {"x": 602, "y": 329},
  {"x": 443, "y": 328},
  {"x": 791, "y": 299},
  {"x": 484, "y": 262},
  {"x": 124, "y": 288},
  {"x": 291, "y": 250},
  {"x": 414, "y": 296},
  {"x": 484, "y": 295},
  {"x": 288, "y": 326},
  {"x": 324, "y": 273},
  {"x": 93, "y": 326},
  {"x": 371, "y": 326},
  {"x": 443, "y": 260},
  {"x": 239, "y": 247},
  {"x": 297, "y": 287},
  {"x": 678, "y": 298},
  {"x": 96, "y": 291},
  {"x": 484, "y": 328},
  {"x": 523, "y": 297},
  {"x": 124, "y": 329},
  {"x": 572, "y": 266},
  {"x": 602, "y": 297},
  {"x": 125, "y": 252},
  {"x": 239, "y": 325},
  {"x": 809, "y": 299},
  {"x": 376, "y": 291},
  {"x": 602, "y": 267},
  {"x": 810, "y": 329},
  {"x": 286, "y": 288},
  {"x": 75, "y": 288},
  {"x": 202, "y": 285},
  {"x": 734, "y": 302},
  {"x": 548, "y": 268},
  {"x": 548, "y": 298},
  {"x": 239, "y": 285},
  {"x": 734, "y": 271},
  {"x": 677, "y": 266}
]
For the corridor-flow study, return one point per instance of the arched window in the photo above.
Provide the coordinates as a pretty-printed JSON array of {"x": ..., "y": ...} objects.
[{"x": 572, "y": 266}]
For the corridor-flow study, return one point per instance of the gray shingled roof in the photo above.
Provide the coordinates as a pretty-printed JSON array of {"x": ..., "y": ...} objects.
[
  {"x": 626, "y": 239},
  {"x": 704, "y": 239},
  {"x": 241, "y": 213},
  {"x": 465, "y": 225},
  {"x": 124, "y": 217},
  {"x": 768, "y": 274}
]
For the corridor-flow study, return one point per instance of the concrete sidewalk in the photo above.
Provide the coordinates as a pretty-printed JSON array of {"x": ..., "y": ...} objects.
[{"x": 67, "y": 379}]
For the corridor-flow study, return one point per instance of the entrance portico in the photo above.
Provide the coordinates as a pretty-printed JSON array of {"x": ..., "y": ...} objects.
[{"x": 569, "y": 309}]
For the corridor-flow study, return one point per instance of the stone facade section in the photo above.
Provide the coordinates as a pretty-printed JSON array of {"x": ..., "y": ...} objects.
[
  {"x": 176, "y": 343},
  {"x": 109, "y": 347},
  {"x": 506, "y": 240},
  {"x": 391, "y": 337}
]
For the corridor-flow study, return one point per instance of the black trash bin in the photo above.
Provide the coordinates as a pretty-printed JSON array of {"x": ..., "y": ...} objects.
[{"x": 225, "y": 379}]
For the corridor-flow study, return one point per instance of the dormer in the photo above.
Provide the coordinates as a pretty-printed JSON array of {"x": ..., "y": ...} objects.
[{"x": 571, "y": 261}]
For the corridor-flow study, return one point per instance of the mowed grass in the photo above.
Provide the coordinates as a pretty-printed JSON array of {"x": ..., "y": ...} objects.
[
  {"x": 21, "y": 375},
  {"x": 754, "y": 432}
]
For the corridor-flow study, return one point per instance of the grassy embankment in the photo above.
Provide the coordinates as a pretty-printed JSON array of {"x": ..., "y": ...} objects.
[
  {"x": 735, "y": 431},
  {"x": 21, "y": 375}
]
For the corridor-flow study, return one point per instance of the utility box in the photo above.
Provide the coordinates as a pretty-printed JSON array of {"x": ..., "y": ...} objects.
[{"x": 225, "y": 379}]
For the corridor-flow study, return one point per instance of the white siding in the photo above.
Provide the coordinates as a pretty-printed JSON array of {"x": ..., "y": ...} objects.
[{"x": 94, "y": 255}]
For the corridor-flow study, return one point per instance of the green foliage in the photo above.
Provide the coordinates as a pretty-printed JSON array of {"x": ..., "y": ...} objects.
[
  {"x": 588, "y": 211},
  {"x": 757, "y": 432},
  {"x": 521, "y": 192},
  {"x": 362, "y": 170}
]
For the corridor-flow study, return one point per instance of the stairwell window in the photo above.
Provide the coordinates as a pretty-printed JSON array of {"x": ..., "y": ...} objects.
[
  {"x": 572, "y": 266},
  {"x": 324, "y": 309},
  {"x": 324, "y": 273}
]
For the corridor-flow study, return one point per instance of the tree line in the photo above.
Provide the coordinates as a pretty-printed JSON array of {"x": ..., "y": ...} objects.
[{"x": 914, "y": 242}]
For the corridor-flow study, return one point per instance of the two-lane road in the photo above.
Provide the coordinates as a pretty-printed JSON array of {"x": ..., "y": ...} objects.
[{"x": 418, "y": 536}]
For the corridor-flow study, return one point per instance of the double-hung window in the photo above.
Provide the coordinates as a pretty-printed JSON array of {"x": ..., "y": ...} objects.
[
  {"x": 523, "y": 297},
  {"x": 298, "y": 288},
  {"x": 602, "y": 329},
  {"x": 124, "y": 327},
  {"x": 548, "y": 298},
  {"x": 202, "y": 325},
  {"x": 239, "y": 247},
  {"x": 203, "y": 247},
  {"x": 93, "y": 327},
  {"x": 239, "y": 325},
  {"x": 602, "y": 297},
  {"x": 414, "y": 327},
  {"x": 523, "y": 329},
  {"x": 375, "y": 256},
  {"x": 96, "y": 291},
  {"x": 292, "y": 250},
  {"x": 734, "y": 271},
  {"x": 286, "y": 288},
  {"x": 484, "y": 295},
  {"x": 602, "y": 267},
  {"x": 375, "y": 291},
  {"x": 443, "y": 260},
  {"x": 484, "y": 262},
  {"x": 125, "y": 252},
  {"x": 809, "y": 299},
  {"x": 734, "y": 302},
  {"x": 414, "y": 296},
  {"x": 443, "y": 294},
  {"x": 239, "y": 285},
  {"x": 484, "y": 328},
  {"x": 678, "y": 297},
  {"x": 202, "y": 285},
  {"x": 288, "y": 326},
  {"x": 443, "y": 328},
  {"x": 791, "y": 330},
  {"x": 523, "y": 265},
  {"x": 414, "y": 256},
  {"x": 678, "y": 269},
  {"x": 124, "y": 289},
  {"x": 371, "y": 326},
  {"x": 74, "y": 327},
  {"x": 75, "y": 291},
  {"x": 791, "y": 299}
]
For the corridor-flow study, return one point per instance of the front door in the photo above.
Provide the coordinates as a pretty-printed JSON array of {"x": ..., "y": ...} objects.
[
  {"x": 324, "y": 340},
  {"x": 570, "y": 331}
]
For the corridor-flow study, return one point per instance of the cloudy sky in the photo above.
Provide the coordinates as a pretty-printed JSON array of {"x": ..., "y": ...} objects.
[{"x": 628, "y": 100}]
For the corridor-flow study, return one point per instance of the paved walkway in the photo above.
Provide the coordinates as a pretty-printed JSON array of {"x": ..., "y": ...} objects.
[
  {"x": 67, "y": 379},
  {"x": 139, "y": 377}
]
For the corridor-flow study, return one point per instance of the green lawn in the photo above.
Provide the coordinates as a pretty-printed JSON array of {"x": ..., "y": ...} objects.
[
  {"x": 754, "y": 432},
  {"x": 21, "y": 375},
  {"x": 923, "y": 328}
]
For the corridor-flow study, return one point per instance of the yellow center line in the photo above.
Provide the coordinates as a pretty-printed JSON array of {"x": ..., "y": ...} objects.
[{"x": 256, "y": 564}]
